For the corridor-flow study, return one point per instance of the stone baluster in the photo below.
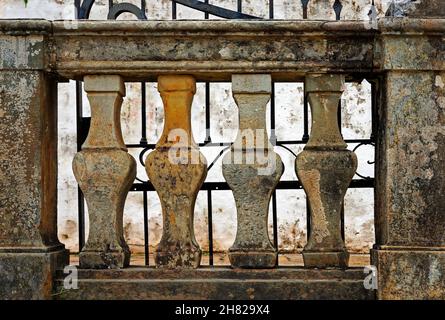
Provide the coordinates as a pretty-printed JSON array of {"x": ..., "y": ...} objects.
[
  {"x": 105, "y": 172},
  {"x": 325, "y": 168},
  {"x": 252, "y": 169},
  {"x": 177, "y": 170}
]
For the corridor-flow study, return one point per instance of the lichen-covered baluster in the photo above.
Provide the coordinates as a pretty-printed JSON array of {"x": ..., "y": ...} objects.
[
  {"x": 177, "y": 170},
  {"x": 105, "y": 172},
  {"x": 252, "y": 170},
  {"x": 325, "y": 168}
]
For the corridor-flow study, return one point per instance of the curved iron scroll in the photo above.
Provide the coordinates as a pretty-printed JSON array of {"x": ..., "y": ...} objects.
[
  {"x": 215, "y": 10},
  {"x": 368, "y": 162},
  {"x": 117, "y": 9},
  {"x": 84, "y": 9}
]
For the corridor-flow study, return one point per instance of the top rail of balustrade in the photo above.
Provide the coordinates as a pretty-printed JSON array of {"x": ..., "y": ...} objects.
[{"x": 208, "y": 49}]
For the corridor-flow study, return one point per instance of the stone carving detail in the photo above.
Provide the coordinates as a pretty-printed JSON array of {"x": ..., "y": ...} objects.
[
  {"x": 252, "y": 169},
  {"x": 325, "y": 168},
  {"x": 105, "y": 172},
  {"x": 177, "y": 170}
]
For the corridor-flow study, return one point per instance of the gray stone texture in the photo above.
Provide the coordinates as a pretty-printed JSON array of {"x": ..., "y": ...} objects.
[
  {"x": 252, "y": 169},
  {"x": 177, "y": 170},
  {"x": 105, "y": 173},
  {"x": 30, "y": 251},
  {"x": 325, "y": 168}
]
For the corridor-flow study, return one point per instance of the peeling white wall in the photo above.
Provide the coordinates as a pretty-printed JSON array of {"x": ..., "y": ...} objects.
[{"x": 289, "y": 106}]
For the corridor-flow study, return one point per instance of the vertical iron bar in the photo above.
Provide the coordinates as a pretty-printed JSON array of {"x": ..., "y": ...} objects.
[
  {"x": 304, "y": 3},
  {"x": 274, "y": 221},
  {"x": 373, "y": 110},
  {"x": 273, "y": 139},
  {"x": 308, "y": 219},
  {"x": 143, "y": 113},
  {"x": 110, "y": 4},
  {"x": 80, "y": 198},
  {"x": 339, "y": 118},
  {"x": 305, "y": 118},
  {"x": 206, "y": 14},
  {"x": 342, "y": 215},
  {"x": 239, "y": 6},
  {"x": 146, "y": 244},
  {"x": 210, "y": 221},
  {"x": 305, "y": 139},
  {"x": 271, "y": 9},
  {"x": 208, "y": 138},
  {"x": 174, "y": 10},
  {"x": 143, "y": 5},
  {"x": 273, "y": 136},
  {"x": 77, "y": 9}
]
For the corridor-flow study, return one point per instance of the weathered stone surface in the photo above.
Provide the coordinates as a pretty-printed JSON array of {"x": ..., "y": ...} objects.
[
  {"x": 410, "y": 222},
  {"x": 416, "y": 8},
  {"x": 212, "y": 49},
  {"x": 410, "y": 274},
  {"x": 177, "y": 170},
  {"x": 252, "y": 169},
  {"x": 325, "y": 168},
  {"x": 29, "y": 247},
  {"x": 29, "y": 276},
  {"x": 401, "y": 47},
  {"x": 105, "y": 173},
  {"x": 410, "y": 168},
  {"x": 218, "y": 283}
]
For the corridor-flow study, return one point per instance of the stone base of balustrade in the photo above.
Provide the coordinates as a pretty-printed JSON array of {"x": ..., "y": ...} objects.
[
  {"x": 104, "y": 259},
  {"x": 183, "y": 258},
  {"x": 253, "y": 259},
  {"x": 409, "y": 273},
  {"x": 28, "y": 273},
  {"x": 218, "y": 283},
  {"x": 336, "y": 259}
]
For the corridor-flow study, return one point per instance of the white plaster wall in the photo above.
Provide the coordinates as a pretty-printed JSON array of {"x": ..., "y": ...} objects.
[{"x": 289, "y": 101}]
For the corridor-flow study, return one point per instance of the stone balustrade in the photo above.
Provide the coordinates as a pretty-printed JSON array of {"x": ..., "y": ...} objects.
[{"x": 410, "y": 141}]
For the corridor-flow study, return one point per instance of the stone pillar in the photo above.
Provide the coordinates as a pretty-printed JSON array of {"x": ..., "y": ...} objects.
[
  {"x": 105, "y": 172},
  {"x": 177, "y": 170},
  {"x": 410, "y": 169},
  {"x": 252, "y": 169},
  {"x": 30, "y": 251},
  {"x": 325, "y": 168}
]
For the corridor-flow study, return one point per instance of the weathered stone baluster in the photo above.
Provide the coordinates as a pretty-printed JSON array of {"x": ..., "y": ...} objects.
[
  {"x": 177, "y": 170},
  {"x": 252, "y": 170},
  {"x": 325, "y": 168},
  {"x": 105, "y": 172}
]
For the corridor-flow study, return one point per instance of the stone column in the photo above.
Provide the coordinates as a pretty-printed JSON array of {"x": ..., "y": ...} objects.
[
  {"x": 177, "y": 170},
  {"x": 105, "y": 172},
  {"x": 252, "y": 169},
  {"x": 325, "y": 168},
  {"x": 30, "y": 251},
  {"x": 410, "y": 171}
]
